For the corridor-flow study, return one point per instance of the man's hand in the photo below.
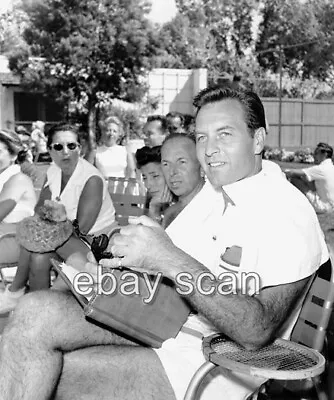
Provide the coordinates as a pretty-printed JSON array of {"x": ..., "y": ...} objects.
[{"x": 140, "y": 246}]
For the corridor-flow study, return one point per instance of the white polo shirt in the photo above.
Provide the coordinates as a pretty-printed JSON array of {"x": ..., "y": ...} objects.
[
  {"x": 268, "y": 228},
  {"x": 323, "y": 177}
]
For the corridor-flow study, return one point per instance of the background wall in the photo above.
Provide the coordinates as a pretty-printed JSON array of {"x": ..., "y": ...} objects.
[{"x": 304, "y": 122}]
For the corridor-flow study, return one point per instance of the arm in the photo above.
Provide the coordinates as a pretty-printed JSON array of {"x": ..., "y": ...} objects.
[
  {"x": 251, "y": 321},
  {"x": 130, "y": 170},
  {"x": 290, "y": 173},
  {"x": 90, "y": 203},
  {"x": 44, "y": 195},
  {"x": 12, "y": 192}
]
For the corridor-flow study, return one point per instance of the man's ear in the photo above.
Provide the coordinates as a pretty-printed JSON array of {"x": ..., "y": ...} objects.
[{"x": 259, "y": 139}]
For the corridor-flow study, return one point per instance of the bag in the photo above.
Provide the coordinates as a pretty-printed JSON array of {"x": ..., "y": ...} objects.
[{"x": 132, "y": 316}]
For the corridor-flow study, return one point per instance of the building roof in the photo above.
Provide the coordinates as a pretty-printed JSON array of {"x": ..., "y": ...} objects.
[{"x": 9, "y": 79}]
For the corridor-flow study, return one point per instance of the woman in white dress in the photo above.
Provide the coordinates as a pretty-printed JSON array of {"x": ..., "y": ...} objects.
[{"x": 110, "y": 158}]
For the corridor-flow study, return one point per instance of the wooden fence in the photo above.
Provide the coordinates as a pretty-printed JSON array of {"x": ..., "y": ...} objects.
[{"x": 303, "y": 123}]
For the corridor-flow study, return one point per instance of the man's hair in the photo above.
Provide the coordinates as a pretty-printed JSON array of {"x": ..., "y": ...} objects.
[
  {"x": 325, "y": 148},
  {"x": 250, "y": 101},
  {"x": 177, "y": 135},
  {"x": 175, "y": 114},
  {"x": 159, "y": 118},
  {"x": 147, "y": 155}
]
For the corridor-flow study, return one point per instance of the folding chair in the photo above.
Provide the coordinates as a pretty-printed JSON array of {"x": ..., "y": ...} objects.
[
  {"x": 128, "y": 197},
  {"x": 307, "y": 340}
]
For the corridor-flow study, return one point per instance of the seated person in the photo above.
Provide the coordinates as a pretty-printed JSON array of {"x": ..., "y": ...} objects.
[
  {"x": 175, "y": 122},
  {"x": 80, "y": 187},
  {"x": 159, "y": 197},
  {"x": 112, "y": 159},
  {"x": 155, "y": 130},
  {"x": 182, "y": 171},
  {"x": 230, "y": 132},
  {"x": 317, "y": 182},
  {"x": 17, "y": 194}
]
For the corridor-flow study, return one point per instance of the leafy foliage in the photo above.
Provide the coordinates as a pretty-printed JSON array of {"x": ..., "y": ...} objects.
[{"x": 88, "y": 51}]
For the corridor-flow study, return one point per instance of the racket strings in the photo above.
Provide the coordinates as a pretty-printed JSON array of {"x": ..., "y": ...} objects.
[{"x": 275, "y": 356}]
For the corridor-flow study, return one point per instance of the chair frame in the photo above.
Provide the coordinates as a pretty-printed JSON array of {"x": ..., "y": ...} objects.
[
  {"x": 6, "y": 264},
  {"x": 309, "y": 330},
  {"x": 126, "y": 203}
]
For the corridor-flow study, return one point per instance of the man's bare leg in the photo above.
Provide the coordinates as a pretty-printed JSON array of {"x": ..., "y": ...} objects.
[
  {"x": 43, "y": 326},
  {"x": 113, "y": 372}
]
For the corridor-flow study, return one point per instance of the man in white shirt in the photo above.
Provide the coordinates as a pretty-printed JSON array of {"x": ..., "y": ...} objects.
[
  {"x": 317, "y": 182},
  {"x": 221, "y": 230}
]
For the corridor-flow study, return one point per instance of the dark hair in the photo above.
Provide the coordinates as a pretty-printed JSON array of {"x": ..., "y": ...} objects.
[
  {"x": 61, "y": 127},
  {"x": 175, "y": 114},
  {"x": 159, "y": 118},
  {"x": 325, "y": 148},
  {"x": 250, "y": 101},
  {"x": 177, "y": 135},
  {"x": 11, "y": 140},
  {"x": 147, "y": 155}
]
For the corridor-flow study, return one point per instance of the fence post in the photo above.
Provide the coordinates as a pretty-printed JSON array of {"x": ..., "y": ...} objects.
[
  {"x": 280, "y": 98},
  {"x": 302, "y": 123},
  {"x": 200, "y": 80}
]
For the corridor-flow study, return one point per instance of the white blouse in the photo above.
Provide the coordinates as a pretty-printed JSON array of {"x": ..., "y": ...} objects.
[{"x": 111, "y": 161}]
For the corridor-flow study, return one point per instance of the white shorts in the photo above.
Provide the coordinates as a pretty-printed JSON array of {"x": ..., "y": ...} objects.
[{"x": 182, "y": 356}]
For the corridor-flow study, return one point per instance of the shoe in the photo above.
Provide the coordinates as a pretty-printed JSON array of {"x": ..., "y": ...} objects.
[{"x": 9, "y": 300}]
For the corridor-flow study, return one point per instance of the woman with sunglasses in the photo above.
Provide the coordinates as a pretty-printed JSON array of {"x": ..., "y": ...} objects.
[{"x": 81, "y": 189}]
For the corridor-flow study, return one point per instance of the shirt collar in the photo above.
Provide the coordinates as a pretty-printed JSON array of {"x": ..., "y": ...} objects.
[
  {"x": 237, "y": 192},
  {"x": 326, "y": 161}
]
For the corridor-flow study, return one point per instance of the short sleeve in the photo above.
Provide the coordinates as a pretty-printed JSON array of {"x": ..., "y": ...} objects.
[
  {"x": 285, "y": 250},
  {"x": 313, "y": 173}
]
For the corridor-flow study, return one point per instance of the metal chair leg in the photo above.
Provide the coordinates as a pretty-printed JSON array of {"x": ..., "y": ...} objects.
[
  {"x": 320, "y": 388},
  {"x": 197, "y": 379}
]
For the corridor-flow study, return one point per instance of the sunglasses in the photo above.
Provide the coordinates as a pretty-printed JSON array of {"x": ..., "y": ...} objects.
[{"x": 59, "y": 146}]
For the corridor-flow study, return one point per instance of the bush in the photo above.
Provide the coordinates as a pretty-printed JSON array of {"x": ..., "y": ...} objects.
[
  {"x": 301, "y": 155},
  {"x": 131, "y": 119}
]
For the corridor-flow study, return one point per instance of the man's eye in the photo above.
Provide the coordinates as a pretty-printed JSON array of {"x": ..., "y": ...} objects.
[
  {"x": 200, "y": 138},
  {"x": 156, "y": 176}
]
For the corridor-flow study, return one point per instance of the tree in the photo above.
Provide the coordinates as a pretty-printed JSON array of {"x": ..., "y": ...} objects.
[
  {"x": 224, "y": 29},
  {"x": 12, "y": 25},
  {"x": 183, "y": 45},
  {"x": 303, "y": 31},
  {"x": 86, "y": 51}
]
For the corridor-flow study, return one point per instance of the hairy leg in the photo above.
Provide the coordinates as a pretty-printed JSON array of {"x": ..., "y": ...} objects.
[
  {"x": 44, "y": 325},
  {"x": 113, "y": 372},
  {"x": 22, "y": 273}
]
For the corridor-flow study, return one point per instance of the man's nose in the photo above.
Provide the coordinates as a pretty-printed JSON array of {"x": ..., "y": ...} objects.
[
  {"x": 211, "y": 147},
  {"x": 174, "y": 170}
]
